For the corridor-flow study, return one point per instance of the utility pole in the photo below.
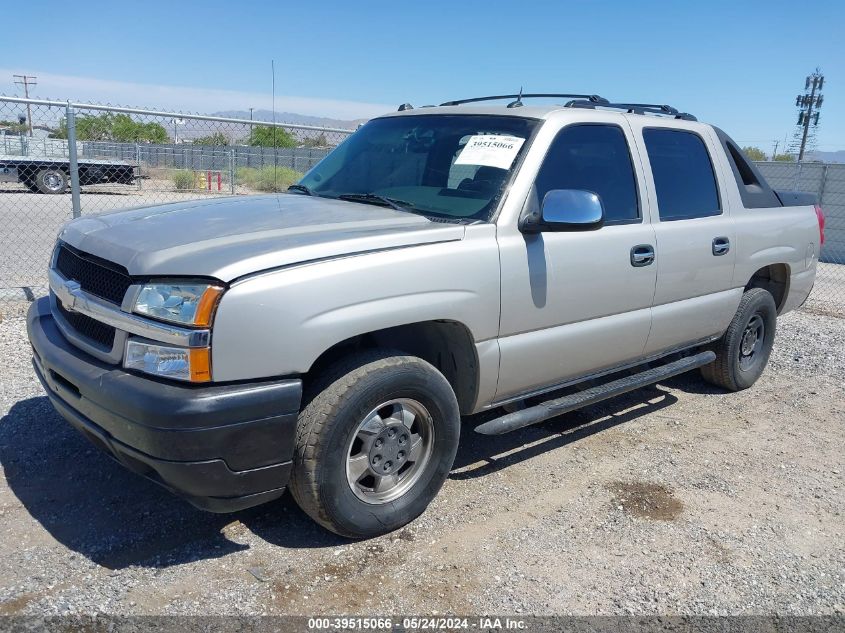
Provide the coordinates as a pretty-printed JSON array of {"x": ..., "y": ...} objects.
[
  {"x": 26, "y": 81},
  {"x": 807, "y": 103},
  {"x": 775, "y": 149}
]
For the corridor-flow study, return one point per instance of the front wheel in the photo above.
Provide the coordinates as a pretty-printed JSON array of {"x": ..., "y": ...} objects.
[
  {"x": 743, "y": 351},
  {"x": 375, "y": 444}
]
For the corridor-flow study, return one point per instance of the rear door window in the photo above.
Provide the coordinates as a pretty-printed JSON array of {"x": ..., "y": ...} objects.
[{"x": 683, "y": 174}]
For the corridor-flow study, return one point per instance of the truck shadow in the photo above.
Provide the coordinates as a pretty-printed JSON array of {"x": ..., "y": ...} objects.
[
  {"x": 94, "y": 506},
  {"x": 483, "y": 455}
]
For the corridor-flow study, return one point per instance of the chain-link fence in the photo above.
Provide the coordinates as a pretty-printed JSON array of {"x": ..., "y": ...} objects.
[{"x": 60, "y": 160}]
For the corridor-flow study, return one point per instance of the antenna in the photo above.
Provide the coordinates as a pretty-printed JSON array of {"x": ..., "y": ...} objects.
[
  {"x": 518, "y": 102},
  {"x": 273, "y": 109}
]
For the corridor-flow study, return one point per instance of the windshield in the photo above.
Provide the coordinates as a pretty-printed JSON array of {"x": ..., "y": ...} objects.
[{"x": 449, "y": 166}]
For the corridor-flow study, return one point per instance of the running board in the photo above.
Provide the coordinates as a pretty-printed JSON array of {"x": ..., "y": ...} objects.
[{"x": 559, "y": 406}]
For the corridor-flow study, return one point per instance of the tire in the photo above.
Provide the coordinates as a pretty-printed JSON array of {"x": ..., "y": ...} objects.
[
  {"x": 735, "y": 368},
  {"x": 51, "y": 181},
  {"x": 359, "y": 402}
]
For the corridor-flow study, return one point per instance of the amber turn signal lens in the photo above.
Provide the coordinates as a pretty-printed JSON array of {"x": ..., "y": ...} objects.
[
  {"x": 200, "y": 364},
  {"x": 207, "y": 305}
]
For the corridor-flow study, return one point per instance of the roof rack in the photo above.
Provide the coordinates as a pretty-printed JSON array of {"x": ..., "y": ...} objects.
[
  {"x": 577, "y": 101},
  {"x": 519, "y": 97},
  {"x": 634, "y": 108}
]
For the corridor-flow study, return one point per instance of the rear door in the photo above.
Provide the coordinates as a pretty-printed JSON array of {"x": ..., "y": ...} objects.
[{"x": 694, "y": 232}]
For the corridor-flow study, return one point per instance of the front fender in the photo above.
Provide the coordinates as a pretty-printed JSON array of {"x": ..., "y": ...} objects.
[{"x": 279, "y": 323}]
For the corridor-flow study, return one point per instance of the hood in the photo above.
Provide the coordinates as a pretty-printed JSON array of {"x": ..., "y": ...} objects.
[{"x": 227, "y": 238}]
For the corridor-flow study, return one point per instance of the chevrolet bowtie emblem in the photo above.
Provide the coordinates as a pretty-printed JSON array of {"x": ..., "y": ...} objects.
[{"x": 69, "y": 287}]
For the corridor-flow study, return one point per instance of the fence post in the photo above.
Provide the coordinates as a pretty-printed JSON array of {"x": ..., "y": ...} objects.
[
  {"x": 74, "y": 162},
  {"x": 823, "y": 183},
  {"x": 232, "y": 170},
  {"x": 138, "y": 160}
]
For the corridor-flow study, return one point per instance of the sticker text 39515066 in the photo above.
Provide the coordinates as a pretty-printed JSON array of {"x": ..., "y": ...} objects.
[{"x": 490, "y": 150}]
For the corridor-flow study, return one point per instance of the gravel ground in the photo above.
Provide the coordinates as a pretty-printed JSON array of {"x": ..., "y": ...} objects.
[{"x": 678, "y": 499}]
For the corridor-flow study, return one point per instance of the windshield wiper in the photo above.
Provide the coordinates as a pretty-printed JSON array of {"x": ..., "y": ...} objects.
[
  {"x": 372, "y": 198},
  {"x": 301, "y": 189}
]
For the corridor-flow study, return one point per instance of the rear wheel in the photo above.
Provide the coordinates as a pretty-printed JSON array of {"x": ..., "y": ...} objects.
[
  {"x": 375, "y": 444},
  {"x": 51, "y": 180},
  {"x": 743, "y": 351}
]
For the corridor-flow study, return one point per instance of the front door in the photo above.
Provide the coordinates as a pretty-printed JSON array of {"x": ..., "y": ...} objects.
[{"x": 577, "y": 302}]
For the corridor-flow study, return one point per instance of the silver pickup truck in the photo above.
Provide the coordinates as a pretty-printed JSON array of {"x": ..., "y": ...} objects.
[{"x": 441, "y": 262}]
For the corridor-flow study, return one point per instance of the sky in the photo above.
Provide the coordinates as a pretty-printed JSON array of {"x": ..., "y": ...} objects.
[{"x": 737, "y": 64}]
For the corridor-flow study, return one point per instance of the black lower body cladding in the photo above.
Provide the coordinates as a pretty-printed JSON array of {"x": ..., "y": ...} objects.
[{"x": 222, "y": 447}]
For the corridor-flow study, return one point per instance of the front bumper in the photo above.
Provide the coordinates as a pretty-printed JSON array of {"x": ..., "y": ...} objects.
[{"x": 222, "y": 447}]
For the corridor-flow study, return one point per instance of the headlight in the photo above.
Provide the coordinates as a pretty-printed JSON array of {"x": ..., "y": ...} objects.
[
  {"x": 179, "y": 363},
  {"x": 187, "y": 303}
]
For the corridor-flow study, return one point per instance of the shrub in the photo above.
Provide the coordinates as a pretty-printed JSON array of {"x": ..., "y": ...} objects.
[
  {"x": 218, "y": 139},
  {"x": 267, "y": 178},
  {"x": 755, "y": 153},
  {"x": 184, "y": 179}
]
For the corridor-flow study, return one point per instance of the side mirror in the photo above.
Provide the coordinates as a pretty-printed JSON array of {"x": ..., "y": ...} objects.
[{"x": 566, "y": 210}]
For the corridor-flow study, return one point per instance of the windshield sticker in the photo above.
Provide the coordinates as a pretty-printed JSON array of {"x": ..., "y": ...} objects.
[{"x": 490, "y": 150}]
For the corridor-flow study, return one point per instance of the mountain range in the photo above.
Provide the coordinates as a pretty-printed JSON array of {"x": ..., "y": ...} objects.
[{"x": 828, "y": 157}]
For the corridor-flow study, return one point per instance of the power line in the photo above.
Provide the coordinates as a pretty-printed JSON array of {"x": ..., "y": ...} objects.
[{"x": 26, "y": 81}]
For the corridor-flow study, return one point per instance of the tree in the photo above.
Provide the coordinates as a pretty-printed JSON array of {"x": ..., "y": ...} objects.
[
  {"x": 754, "y": 153},
  {"x": 114, "y": 127},
  {"x": 264, "y": 136},
  {"x": 784, "y": 158},
  {"x": 218, "y": 138},
  {"x": 125, "y": 130},
  {"x": 88, "y": 128}
]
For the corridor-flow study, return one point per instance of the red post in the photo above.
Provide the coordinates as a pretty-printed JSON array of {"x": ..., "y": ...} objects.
[
  {"x": 219, "y": 181},
  {"x": 208, "y": 179}
]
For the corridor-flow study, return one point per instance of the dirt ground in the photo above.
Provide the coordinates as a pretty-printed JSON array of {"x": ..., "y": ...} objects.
[{"x": 677, "y": 499}]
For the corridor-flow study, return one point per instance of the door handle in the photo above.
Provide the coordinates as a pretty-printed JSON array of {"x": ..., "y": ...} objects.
[
  {"x": 721, "y": 245},
  {"x": 642, "y": 255}
]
